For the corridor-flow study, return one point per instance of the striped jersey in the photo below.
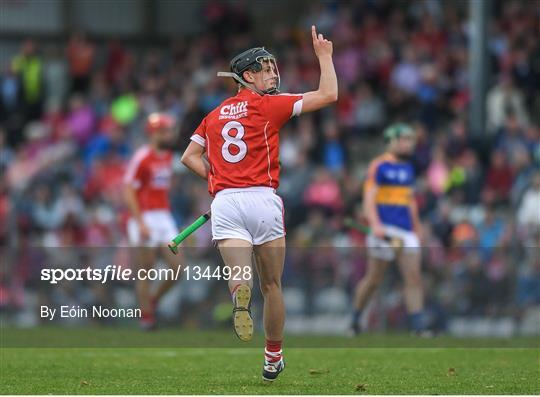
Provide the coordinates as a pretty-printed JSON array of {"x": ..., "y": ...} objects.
[{"x": 394, "y": 180}]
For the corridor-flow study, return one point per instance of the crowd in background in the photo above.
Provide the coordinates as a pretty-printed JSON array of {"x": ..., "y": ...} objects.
[{"x": 71, "y": 115}]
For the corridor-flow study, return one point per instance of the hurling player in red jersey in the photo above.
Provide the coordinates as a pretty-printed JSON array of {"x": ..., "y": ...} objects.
[
  {"x": 147, "y": 183},
  {"x": 236, "y": 148}
]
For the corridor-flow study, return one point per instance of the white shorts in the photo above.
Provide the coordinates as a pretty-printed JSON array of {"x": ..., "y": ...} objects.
[
  {"x": 254, "y": 214},
  {"x": 382, "y": 249},
  {"x": 160, "y": 224}
]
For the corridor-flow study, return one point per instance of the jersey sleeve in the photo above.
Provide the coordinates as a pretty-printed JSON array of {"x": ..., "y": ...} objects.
[
  {"x": 135, "y": 171},
  {"x": 199, "y": 135},
  {"x": 281, "y": 107}
]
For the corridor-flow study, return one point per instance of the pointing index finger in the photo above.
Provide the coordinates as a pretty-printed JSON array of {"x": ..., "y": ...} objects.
[{"x": 313, "y": 32}]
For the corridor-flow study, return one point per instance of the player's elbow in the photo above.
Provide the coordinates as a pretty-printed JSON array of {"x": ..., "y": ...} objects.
[
  {"x": 186, "y": 159},
  {"x": 330, "y": 97},
  {"x": 333, "y": 97},
  {"x": 190, "y": 161}
]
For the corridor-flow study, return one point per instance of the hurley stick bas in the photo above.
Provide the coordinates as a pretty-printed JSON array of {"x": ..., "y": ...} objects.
[{"x": 175, "y": 242}]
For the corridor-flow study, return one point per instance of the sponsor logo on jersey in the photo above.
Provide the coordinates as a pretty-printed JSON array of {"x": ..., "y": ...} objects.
[
  {"x": 161, "y": 177},
  {"x": 233, "y": 111},
  {"x": 401, "y": 175}
]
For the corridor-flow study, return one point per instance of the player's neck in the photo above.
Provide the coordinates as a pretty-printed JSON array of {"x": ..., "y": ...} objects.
[
  {"x": 245, "y": 90},
  {"x": 156, "y": 148},
  {"x": 398, "y": 157},
  {"x": 392, "y": 155}
]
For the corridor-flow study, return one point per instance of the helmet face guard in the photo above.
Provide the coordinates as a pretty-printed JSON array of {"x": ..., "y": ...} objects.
[
  {"x": 397, "y": 130},
  {"x": 253, "y": 59}
]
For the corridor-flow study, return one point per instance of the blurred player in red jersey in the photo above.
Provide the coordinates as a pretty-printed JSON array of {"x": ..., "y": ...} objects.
[
  {"x": 147, "y": 183},
  {"x": 241, "y": 141}
]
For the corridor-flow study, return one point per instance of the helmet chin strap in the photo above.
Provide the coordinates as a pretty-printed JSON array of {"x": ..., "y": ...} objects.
[
  {"x": 273, "y": 90},
  {"x": 240, "y": 80}
]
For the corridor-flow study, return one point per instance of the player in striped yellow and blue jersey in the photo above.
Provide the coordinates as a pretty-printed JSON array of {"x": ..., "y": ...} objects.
[{"x": 391, "y": 211}]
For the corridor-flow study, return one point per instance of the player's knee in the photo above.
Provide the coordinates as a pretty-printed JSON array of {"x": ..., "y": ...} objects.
[
  {"x": 417, "y": 282},
  {"x": 375, "y": 281},
  {"x": 414, "y": 279},
  {"x": 269, "y": 287}
]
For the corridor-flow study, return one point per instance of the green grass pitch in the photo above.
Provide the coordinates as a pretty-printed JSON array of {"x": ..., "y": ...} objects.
[{"x": 217, "y": 364}]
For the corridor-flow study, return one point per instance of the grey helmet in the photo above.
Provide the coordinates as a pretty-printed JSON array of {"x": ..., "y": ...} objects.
[{"x": 251, "y": 59}]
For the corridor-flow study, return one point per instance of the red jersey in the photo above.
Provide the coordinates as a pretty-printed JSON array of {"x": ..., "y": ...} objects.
[
  {"x": 149, "y": 172},
  {"x": 241, "y": 138}
]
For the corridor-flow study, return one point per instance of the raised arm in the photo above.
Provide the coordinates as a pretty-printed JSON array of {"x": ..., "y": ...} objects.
[{"x": 327, "y": 92}]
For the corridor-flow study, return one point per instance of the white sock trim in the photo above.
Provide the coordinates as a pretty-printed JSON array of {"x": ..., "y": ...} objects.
[{"x": 273, "y": 354}]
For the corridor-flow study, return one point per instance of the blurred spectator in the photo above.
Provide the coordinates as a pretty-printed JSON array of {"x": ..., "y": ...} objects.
[
  {"x": 441, "y": 223},
  {"x": 293, "y": 184},
  {"x": 333, "y": 150},
  {"x": 523, "y": 170},
  {"x": 110, "y": 140},
  {"x": 28, "y": 66},
  {"x": 491, "y": 232},
  {"x": 532, "y": 137},
  {"x": 511, "y": 138},
  {"x": 499, "y": 176},
  {"x": 5, "y": 211},
  {"x": 71, "y": 205},
  {"x": 502, "y": 100},
  {"x": 369, "y": 109},
  {"x": 474, "y": 175},
  {"x": 55, "y": 76},
  {"x": 458, "y": 140},
  {"x": 428, "y": 94},
  {"x": 529, "y": 210},
  {"x": 6, "y": 153},
  {"x": 10, "y": 92},
  {"x": 80, "y": 119},
  {"x": 117, "y": 61},
  {"x": 423, "y": 149},
  {"x": 323, "y": 192},
  {"x": 464, "y": 234},
  {"x": 406, "y": 75},
  {"x": 80, "y": 54},
  {"x": 46, "y": 213},
  {"x": 11, "y": 106},
  {"x": 437, "y": 172}
]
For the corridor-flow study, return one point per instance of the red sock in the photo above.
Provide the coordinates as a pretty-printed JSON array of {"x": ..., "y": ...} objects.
[
  {"x": 272, "y": 352},
  {"x": 234, "y": 291},
  {"x": 153, "y": 304},
  {"x": 147, "y": 316}
]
